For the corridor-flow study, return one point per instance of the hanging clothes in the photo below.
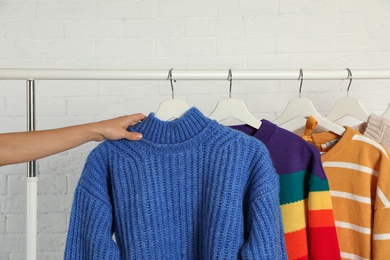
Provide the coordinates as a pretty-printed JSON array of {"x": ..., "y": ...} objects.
[
  {"x": 377, "y": 129},
  {"x": 305, "y": 200},
  {"x": 358, "y": 172},
  {"x": 190, "y": 189}
]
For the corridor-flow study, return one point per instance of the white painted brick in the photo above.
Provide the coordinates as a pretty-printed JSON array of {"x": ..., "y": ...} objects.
[
  {"x": 251, "y": 45},
  {"x": 13, "y": 204},
  {"x": 378, "y": 21},
  {"x": 50, "y": 106},
  {"x": 308, "y": 6},
  {"x": 62, "y": 164},
  {"x": 67, "y": 88},
  {"x": 51, "y": 242},
  {"x": 12, "y": 88},
  {"x": 13, "y": 124},
  {"x": 153, "y": 28},
  {"x": 37, "y": 63},
  {"x": 3, "y": 184},
  {"x": 362, "y": 6},
  {"x": 2, "y": 223},
  {"x": 247, "y": 7},
  {"x": 17, "y": 11},
  {"x": 52, "y": 223},
  {"x": 54, "y": 203},
  {"x": 127, "y": 9},
  {"x": 82, "y": 106},
  {"x": 335, "y": 23},
  {"x": 1, "y": 30},
  {"x": 17, "y": 49},
  {"x": 51, "y": 255},
  {"x": 306, "y": 43},
  {"x": 93, "y": 29},
  {"x": 360, "y": 60},
  {"x": 13, "y": 169},
  {"x": 17, "y": 256},
  {"x": 93, "y": 106},
  {"x": 158, "y": 63},
  {"x": 16, "y": 223},
  {"x": 52, "y": 184},
  {"x": 12, "y": 243},
  {"x": 119, "y": 48},
  {"x": 16, "y": 106},
  {"x": 72, "y": 184},
  {"x": 380, "y": 60},
  {"x": 278, "y": 61},
  {"x": 217, "y": 63},
  {"x": 185, "y": 47},
  {"x": 363, "y": 42},
  {"x": 3, "y": 105},
  {"x": 16, "y": 184},
  {"x": 271, "y": 24},
  {"x": 67, "y": 10},
  {"x": 65, "y": 48},
  {"x": 221, "y": 26},
  {"x": 176, "y": 8},
  {"x": 97, "y": 63},
  {"x": 50, "y": 122},
  {"x": 128, "y": 88},
  {"x": 33, "y": 30}
]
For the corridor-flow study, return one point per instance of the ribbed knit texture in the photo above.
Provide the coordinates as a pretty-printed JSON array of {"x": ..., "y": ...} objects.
[
  {"x": 378, "y": 129},
  {"x": 358, "y": 172},
  {"x": 305, "y": 200},
  {"x": 190, "y": 189}
]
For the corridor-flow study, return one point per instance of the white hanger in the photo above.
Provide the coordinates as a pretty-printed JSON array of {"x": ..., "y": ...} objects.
[
  {"x": 172, "y": 108},
  {"x": 303, "y": 107},
  {"x": 386, "y": 114},
  {"x": 348, "y": 107},
  {"x": 235, "y": 108}
]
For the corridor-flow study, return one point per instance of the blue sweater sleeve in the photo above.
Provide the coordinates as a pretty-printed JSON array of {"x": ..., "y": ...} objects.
[
  {"x": 264, "y": 235},
  {"x": 90, "y": 227}
]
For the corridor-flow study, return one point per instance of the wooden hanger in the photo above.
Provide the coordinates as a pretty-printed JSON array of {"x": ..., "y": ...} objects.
[
  {"x": 348, "y": 107},
  {"x": 172, "y": 108},
  {"x": 303, "y": 107},
  {"x": 235, "y": 108}
]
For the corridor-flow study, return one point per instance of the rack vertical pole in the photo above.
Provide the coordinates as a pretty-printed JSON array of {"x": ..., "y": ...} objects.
[{"x": 31, "y": 181}]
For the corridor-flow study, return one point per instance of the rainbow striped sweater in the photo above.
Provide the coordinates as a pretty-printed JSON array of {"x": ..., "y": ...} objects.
[
  {"x": 358, "y": 170},
  {"x": 305, "y": 201}
]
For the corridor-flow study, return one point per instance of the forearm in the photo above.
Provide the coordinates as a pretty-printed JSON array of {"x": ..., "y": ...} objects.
[{"x": 28, "y": 146}]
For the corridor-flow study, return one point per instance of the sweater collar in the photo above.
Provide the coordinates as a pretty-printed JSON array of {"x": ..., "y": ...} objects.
[
  {"x": 263, "y": 134},
  {"x": 156, "y": 131}
]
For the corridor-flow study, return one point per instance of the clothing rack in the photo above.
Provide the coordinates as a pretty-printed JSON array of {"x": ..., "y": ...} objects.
[
  {"x": 87, "y": 74},
  {"x": 31, "y": 75}
]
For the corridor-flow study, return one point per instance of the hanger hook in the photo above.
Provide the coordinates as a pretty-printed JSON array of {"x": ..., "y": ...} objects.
[
  {"x": 170, "y": 79},
  {"x": 300, "y": 78},
  {"x": 350, "y": 80},
  {"x": 230, "y": 78}
]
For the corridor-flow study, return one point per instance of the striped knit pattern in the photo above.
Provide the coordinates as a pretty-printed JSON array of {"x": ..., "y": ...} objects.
[
  {"x": 358, "y": 172},
  {"x": 305, "y": 200},
  {"x": 190, "y": 189}
]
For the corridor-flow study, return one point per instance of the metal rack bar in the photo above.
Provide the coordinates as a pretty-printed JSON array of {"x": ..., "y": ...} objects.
[{"x": 86, "y": 74}]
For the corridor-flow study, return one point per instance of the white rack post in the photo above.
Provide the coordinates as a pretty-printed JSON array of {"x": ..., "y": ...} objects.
[{"x": 31, "y": 181}]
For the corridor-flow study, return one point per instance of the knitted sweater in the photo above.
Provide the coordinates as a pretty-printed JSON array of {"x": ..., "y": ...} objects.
[
  {"x": 190, "y": 189},
  {"x": 305, "y": 200},
  {"x": 358, "y": 172},
  {"x": 377, "y": 128}
]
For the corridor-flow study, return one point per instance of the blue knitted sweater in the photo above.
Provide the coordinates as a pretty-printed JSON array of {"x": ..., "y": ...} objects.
[{"x": 190, "y": 189}]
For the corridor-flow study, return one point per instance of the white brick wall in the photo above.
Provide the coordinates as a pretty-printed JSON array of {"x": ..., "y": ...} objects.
[{"x": 157, "y": 34}]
